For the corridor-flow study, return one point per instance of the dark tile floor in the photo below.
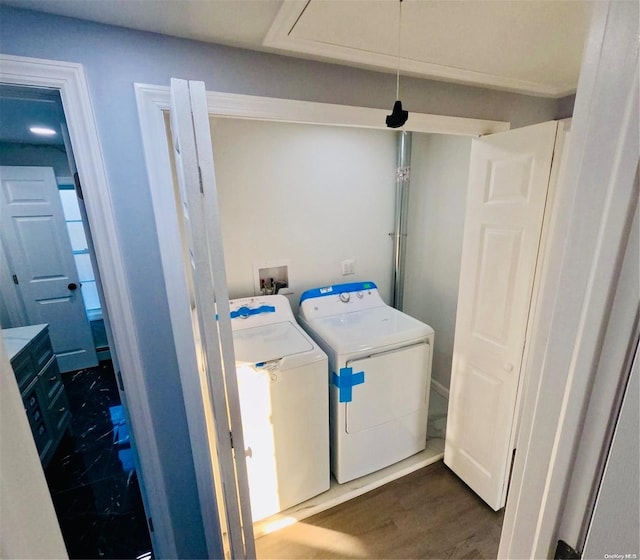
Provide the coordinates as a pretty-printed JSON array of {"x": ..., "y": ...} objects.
[{"x": 92, "y": 480}]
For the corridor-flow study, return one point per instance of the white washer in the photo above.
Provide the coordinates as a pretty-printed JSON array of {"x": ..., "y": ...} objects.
[
  {"x": 282, "y": 382},
  {"x": 380, "y": 363}
]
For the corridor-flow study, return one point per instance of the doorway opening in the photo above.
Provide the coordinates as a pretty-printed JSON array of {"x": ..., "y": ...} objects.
[
  {"x": 153, "y": 106},
  {"x": 361, "y": 177},
  {"x": 53, "y": 301}
]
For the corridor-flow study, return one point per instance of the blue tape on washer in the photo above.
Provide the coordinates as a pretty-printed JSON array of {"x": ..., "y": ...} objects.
[
  {"x": 345, "y": 382},
  {"x": 244, "y": 311}
]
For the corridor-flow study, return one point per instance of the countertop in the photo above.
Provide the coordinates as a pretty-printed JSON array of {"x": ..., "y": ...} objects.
[{"x": 17, "y": 338}]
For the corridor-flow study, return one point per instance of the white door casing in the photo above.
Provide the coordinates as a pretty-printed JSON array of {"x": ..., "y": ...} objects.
[
  {"x": 39, "y": 252},
  {"x": 508, "y": 181},
  {"x": 591, "y": 228},
  {"x": 153, "y": 103},
  {"x": 70, "y": 80},
  {"x": 204, "y": 270}
]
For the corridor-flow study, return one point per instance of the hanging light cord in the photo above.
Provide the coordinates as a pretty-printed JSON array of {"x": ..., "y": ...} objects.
[
  {"x": 399, "y": 50},
  {"x": 398, "y": 115}
]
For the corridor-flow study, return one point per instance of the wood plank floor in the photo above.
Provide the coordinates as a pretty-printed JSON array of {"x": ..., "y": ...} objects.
[{"x": 430, "y": 513}]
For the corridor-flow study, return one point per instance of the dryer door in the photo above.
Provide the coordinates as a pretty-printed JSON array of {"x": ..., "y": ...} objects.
[{"x": 395, "y": 385}]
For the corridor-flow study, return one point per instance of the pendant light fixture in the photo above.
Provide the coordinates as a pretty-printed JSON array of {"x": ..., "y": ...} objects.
[{"x": 398, "y": 117}]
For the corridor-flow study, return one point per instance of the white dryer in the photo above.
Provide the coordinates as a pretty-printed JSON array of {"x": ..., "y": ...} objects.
[
  {"x": 380, "y": 364},
  {"x": 282, "y": 382}
]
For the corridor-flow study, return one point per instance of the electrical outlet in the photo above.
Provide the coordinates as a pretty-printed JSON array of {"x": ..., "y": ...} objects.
[{"x": 348, "y": 267}]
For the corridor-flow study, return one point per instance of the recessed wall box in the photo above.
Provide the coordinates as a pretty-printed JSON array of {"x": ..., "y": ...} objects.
[{"x": 272, "y": 277}]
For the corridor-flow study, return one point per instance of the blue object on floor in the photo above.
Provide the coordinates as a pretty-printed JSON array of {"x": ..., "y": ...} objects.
[
  {"x": 121, "y": 438},
  {"x": 126, "y": 458}
]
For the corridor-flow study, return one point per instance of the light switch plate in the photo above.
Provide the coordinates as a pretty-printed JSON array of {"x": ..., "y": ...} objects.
[{"x": 348, "y": 267}]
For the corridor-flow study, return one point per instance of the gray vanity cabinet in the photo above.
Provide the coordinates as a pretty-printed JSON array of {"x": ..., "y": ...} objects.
[{"x": 40, "y": 384}]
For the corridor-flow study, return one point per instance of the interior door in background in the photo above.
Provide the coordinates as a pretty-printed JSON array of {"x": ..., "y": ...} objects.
[
  {"x": 36, "y": 242},
  {"x": 508, "y": 183}
]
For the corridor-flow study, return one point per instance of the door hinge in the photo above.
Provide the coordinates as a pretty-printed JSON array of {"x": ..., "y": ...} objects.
[
  {"x": 15, "y": 279},
  {"x": 566, "y": 552},
  {"x": 200, "y": 179},
  {"x": 151, "y": 524},
  {"x": 76, "y": 180},
  {"x": 231, "y": 439},
  {"x": 120, "y": 384},
  {"x": 513, "y": 460}
]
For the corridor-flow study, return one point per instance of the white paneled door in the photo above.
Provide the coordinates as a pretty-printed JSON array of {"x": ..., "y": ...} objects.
[
  {"x": 204, "y": 269},
  {"x": 508, "y": 182},
  {"x": 35, "y": 239}
]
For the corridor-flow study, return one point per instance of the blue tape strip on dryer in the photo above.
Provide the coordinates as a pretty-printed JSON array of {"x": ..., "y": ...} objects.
[
  {"x": 345, "y": 382},
  {"x": 244, "y": 311},
  {"x": 338, "y": 289}
]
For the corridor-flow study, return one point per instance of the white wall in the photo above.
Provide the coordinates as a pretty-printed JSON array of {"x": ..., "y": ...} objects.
[
  {"x": 314, "y": 195},
  {"x": 310, "y": 194},
  {"x": 437, "y": 202}
]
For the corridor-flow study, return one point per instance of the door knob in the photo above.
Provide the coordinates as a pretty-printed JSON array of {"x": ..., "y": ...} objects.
[
  {"x": 73, "y": 286},
  {"x": 508, "y": 367}
]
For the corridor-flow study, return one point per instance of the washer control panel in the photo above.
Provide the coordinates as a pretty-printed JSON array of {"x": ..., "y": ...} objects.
[{"x": 254, "y": 311}]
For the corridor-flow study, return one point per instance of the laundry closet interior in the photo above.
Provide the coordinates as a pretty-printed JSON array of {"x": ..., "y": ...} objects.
[{"x": 318, "y": 202}]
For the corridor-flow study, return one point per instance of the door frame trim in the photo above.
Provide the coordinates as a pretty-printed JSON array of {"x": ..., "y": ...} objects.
[
  {"x": 587, "y": 237},
  {"x": 69, "y": 79},
  {"x": 153, "y": 101}
]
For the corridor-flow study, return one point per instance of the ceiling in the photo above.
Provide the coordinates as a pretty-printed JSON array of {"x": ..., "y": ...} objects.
[
  {"x": 24, "y": 107},
  {"x": 527, "y": 46}
]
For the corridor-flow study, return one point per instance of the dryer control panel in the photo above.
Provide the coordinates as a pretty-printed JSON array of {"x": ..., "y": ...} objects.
[{"x": 338, "y": 299}]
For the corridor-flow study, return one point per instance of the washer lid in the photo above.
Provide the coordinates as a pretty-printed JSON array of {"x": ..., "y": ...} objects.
[
  {"x": 367, "y": 329},
  {"x": 269, "y": 342}
]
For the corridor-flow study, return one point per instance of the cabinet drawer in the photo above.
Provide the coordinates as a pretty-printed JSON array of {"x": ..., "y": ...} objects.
[
  {"x": 41, "y": 350},
  {"x": 50, "y": 379},
  {"x": 23, "y": 369},
  {"x": 36, "y": 411},
  {"x": 58, "y": 413}
]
